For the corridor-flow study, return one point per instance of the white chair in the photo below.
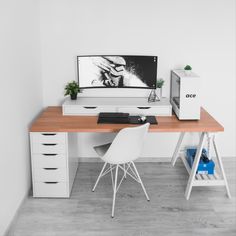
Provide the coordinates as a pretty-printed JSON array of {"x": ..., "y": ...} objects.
[{"x": 125, "y": 148}]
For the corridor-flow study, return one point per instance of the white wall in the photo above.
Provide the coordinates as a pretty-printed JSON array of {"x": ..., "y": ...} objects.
[
  {"x": 196, "y": 32},
  {"x": 20, "y": 99},
  {"x": 200, "y": 33}
]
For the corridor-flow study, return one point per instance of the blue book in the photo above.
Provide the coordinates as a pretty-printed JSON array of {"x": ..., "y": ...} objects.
[{"x": 205, "y": 166}]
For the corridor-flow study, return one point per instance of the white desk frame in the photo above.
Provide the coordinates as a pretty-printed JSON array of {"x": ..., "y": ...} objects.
[{"x": 196, "y": 179}]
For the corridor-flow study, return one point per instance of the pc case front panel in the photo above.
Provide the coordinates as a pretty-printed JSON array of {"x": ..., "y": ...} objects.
[
  {"x": 184, "y": 95},
  {"x": 189, "y": 99},
  {"x": 175, "y": 89},
  {"x": 175, "y": 92}
]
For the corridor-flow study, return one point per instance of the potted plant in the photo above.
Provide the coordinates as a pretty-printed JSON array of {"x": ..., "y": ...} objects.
[
  {"x": 72, "y": 89},
  {"x": 188, "y": 69},
  {"x": 160, "y": 83}
]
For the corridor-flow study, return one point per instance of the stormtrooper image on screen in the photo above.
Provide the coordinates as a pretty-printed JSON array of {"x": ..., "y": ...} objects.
[{"x": 117, "y": 71}]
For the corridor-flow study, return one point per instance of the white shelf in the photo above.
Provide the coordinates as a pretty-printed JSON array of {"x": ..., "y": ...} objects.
[
  {"x": 133, "y": 105},
  {"x": 203, "y": 179}
]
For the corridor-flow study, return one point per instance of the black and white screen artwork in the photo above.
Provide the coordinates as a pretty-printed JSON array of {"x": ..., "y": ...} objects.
[{"x": 117, "y": 71}]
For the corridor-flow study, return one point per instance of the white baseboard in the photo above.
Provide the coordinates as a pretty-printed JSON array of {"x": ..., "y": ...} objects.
[
  {"x": 16, "y": 215},
  {"x": 141, "y": 159},
  {"x": 145, "y": 159}
]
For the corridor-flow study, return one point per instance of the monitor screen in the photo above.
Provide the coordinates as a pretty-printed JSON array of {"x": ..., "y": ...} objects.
[{"x": 117, "y": 71}]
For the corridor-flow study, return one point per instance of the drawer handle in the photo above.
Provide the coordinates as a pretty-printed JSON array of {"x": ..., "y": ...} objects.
[
  {"x": 49, "y": 144},
  {"x": 143, "y": 107},
  {"x": 50, "y": 168},
  {"x": 90, "y": 107},
  {"x": 52, "y": 134},
  {"x": 51, "y": 182},
  {"x": 50, "y": 154}
]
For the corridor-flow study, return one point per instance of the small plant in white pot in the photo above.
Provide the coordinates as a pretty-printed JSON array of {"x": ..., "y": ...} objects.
[
  {"x": 72, "y": 89},
  {"x": 188, "y": 69},
  {"x": 160, "y": 83}
]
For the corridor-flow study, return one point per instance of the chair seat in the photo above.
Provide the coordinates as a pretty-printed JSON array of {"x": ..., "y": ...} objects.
[{"x": 102, "y": 149}]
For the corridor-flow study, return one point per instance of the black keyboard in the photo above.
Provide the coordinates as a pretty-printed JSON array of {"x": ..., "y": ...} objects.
[
  {"x": 123, "y": 118},
  {"x": 113, "y": 117}
]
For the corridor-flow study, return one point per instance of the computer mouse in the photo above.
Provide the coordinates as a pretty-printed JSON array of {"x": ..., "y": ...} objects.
[{"x": 142, "y": 119}]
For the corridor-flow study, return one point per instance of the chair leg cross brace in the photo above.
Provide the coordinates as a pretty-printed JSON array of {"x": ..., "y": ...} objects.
[{"x": 126, "y": 168}]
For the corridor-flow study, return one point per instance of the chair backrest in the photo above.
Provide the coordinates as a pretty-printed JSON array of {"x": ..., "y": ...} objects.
[{"x": 127, "y": 145}]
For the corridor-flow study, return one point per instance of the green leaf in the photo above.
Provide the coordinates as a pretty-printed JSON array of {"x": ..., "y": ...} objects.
[
  {"x": 160, "y": 83},
  {"x": 188, "y": 67},
  {"x": 71, "y": 88}
]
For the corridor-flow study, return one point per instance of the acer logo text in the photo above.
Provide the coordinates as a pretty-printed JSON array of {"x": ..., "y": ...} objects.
[{"x": 190, "y": 95}]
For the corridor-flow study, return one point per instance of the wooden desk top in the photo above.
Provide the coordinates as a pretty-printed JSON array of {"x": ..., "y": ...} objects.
[{"x": 52, "y": 120}]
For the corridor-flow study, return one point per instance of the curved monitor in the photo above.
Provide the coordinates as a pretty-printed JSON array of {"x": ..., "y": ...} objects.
[{"x": 117, "y": 71}]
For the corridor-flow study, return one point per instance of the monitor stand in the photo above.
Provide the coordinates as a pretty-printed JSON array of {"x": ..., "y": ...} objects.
[{"x": 153, "y": 96}]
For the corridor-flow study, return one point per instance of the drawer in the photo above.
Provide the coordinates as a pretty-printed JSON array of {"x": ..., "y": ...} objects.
[
  {"x": 48, "y": 137},
  {"x": 50, "y": 189},
  {"x": 86, "y": 110},
  {"x": 49, "y": 174},
  {"x": 152, "y": 111},
  {"x": 49, "y": 148},
  {"x": 49, "y": 160}
]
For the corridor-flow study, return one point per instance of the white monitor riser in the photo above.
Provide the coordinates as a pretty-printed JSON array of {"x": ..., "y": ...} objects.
[{"x": 92, "y": 106}]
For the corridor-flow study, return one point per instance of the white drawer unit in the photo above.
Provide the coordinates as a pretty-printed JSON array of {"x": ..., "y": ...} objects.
[
  {"x": 50, "y": 189},
  {"x": 87, "y": 110},
  {"x": 133, "y": 105},
  {"x": 48, "y": 148},
  {"x": 49, "y": 160},
  {"x": 149, "y": 110},
  {"x": 48, "y": 137},
  {"x": 50, "y": 174},
  {"x": 51, "y": 171}
]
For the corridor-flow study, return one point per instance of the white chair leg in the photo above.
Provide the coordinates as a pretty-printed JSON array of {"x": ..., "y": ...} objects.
[
  {"x": 124, "y": 171},
  {"x": 103, "y": 168},
  {"x": 114, "y": 193},
  {"x": 140, "y": 181}
]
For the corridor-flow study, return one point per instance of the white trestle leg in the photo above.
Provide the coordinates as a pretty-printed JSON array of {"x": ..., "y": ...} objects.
[
  {"x": 221, "y": 166},
  {"x": 176, "y": 152},
  {"x": 195, "y": 166},
  {"x": 205, "y": 179}
]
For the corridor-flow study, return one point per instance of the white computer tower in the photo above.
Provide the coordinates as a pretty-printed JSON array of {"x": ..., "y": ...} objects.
[{"x": 184, "y": 94}]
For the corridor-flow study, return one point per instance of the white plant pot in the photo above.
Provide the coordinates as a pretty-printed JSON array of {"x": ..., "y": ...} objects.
[
  {"x": 188, "y": 72},
  {"x": 159, "y": 92}
]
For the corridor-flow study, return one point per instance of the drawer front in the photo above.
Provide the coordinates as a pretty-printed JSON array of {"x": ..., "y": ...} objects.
[
  {"x": 57, "y": 189},
  {"x": 50, "y": 174},
  {"x": 49, "y": 160},
  {"x": 86, "y": 110},
  {"x": 48, "y": 137},
  {"x": 49, "y": 148},
  {"x": 152, "y": 111}
]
